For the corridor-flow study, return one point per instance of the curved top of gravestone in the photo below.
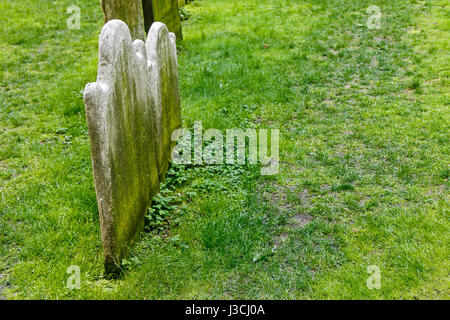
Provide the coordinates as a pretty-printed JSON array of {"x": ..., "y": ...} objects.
[
  {"x": 159, "y": 38},
  {"x": 115, "y": 41}
]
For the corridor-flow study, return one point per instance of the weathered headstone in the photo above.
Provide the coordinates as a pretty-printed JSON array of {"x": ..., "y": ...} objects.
[
  {"x": 129, "y": 109},
  {"x": 165, "y": 11},
  {"x": 129, "y": 11},
  {"x": 162, "y": 52}
]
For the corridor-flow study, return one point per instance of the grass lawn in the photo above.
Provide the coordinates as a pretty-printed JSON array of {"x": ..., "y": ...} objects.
[{"x": 364, "y": 125}]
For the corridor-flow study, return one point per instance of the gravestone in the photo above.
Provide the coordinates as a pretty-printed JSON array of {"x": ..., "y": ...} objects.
[
  {"x": 129, "y": 108},
  {"x": 128, "y": 11},
  {"x": 166, "y": 11},
  {"x": 161, "y": 51}
]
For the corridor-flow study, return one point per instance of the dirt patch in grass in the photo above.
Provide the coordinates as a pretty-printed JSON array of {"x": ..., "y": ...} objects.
[
  {"x": 3, "y": 287},
  {"x": 299, "y": 220},
  {"x": 286, "y": 198},
  {"x": 280, "y": 240}
]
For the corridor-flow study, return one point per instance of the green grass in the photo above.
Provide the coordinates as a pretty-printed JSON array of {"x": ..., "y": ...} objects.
[{"x": 364, "y": 122}]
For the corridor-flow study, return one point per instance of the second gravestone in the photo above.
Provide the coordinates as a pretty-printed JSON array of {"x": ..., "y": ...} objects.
[{"x": 131, "y": 110}]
